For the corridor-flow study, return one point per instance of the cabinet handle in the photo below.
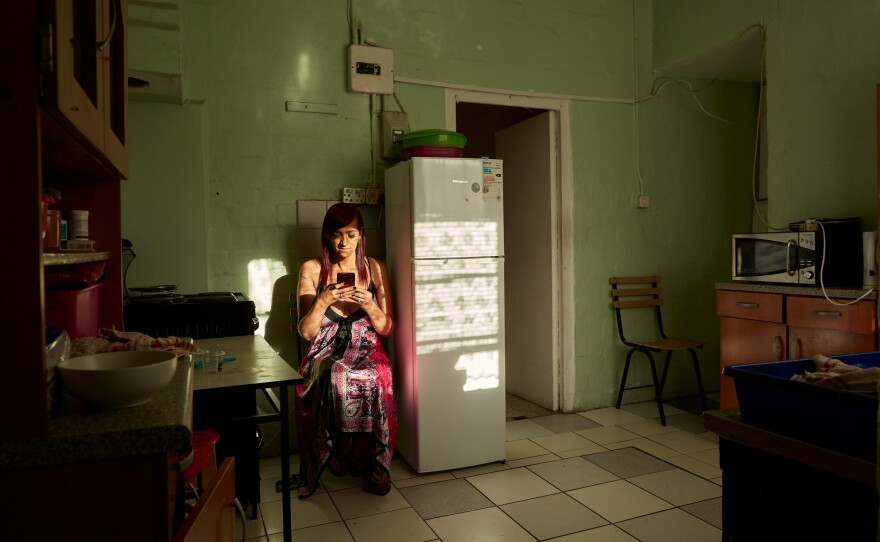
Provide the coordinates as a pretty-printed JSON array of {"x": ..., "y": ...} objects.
[
  {"x": 744, "y": 305},
  {"x": 112, "y": 27},
  {"x": 827, "y": 314},
  {"x": 778, "y": 347}
]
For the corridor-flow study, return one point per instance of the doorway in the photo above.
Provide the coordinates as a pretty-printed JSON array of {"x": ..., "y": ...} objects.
[{"x": 531, "y": 136}]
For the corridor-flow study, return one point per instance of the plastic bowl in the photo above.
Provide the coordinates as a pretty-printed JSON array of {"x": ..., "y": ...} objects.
[
  {"x": 436, "y": 138},
  {"x": 433, "y": 151},
  {"x": 117, "y": 379}
]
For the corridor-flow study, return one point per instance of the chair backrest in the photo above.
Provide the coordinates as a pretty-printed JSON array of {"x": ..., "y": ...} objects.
[{"x": 637, "y": 293}]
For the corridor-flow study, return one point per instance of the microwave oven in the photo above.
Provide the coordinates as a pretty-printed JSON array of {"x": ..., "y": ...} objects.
[{"x": 833, "y": 250}]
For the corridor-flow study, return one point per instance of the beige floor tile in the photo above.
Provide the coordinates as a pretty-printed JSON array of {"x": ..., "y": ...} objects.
[
  {"x": 649, "y": 410},
  {"x": 532, "y": 460},
  {"x": 553, "y": 515},
  {"x": 606, "y": 435},
  {"x": 677, "y": 486},
  {"x": 582, "y": 451},
  {"x": 572, "y": 473},
  {"x": 608, "y": 533},
  {"x": 611, "y": 416},
  {"x": 480, "y": 469},
  {"x": 710, "y": 457},
  {"x": 512, "y": 485},
  {"x": 424, "y": 479},
  {"x": 316, "y": 510},
  {"x": 479, "y": 525},
  {"x": 619, "y": 500},
  {"x": 397, "y": 526},
  {"x": 253, "y": 527},
  {"x": 520, "y": 429},
  {"x": 560, "y": 442},
  {"x": 718, "y": 481},
  {"x": 683, "y": 442},
  {"x": 648, "y": 446},
  {"x": 356, "y": 503},
  {"x": 331, "y": 532},
  {"x": 519, "y": 449},
  {"x": 647, "y": 428},
  {"x": 671, "y": 526},
  {"x": 694, "y": 466}
]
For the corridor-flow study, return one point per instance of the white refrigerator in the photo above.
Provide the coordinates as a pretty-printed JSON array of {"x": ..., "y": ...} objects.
[{"x": 445, "y": 249}]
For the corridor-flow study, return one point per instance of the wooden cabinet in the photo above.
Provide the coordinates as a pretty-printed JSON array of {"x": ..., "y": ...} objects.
[
  {"x": 752, "y": 330},
  {"x": 40, "y": 146},
  {"x": 84, "y": 60},
  {"x": 213, "y": 517},
  {"x": 816, "y": 326},
  {"x": 757, "y": 326}
]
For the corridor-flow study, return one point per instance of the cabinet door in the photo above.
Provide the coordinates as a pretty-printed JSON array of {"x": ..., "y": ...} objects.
[
  {"x": 113, "y": 54},
  {"x": 79, "y": 92},
  {"x": 213, "y": 517},
  {"x": 805, "y": 342},
  {"x": 748, "y": 341}
]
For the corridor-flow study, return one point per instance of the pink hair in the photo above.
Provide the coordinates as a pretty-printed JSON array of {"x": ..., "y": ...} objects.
[{"x": 338, "y": 216}]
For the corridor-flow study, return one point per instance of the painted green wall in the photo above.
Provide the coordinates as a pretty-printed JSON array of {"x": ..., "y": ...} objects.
[
  {"x": 822, "y": 71},
  {"x": 251, "y": 161}
]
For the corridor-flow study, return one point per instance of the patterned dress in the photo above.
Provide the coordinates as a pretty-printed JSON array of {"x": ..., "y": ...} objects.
[{"x": 347, "y": 392}]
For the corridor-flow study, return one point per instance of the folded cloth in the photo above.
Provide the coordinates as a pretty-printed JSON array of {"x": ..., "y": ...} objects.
[
  {"x": 111, "y": 340},
  {"x": 837, "y": 374}
]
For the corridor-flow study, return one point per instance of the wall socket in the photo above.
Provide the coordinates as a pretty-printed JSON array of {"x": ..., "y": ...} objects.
[
  {"x": 644, "y": 201},
  {"x": 374, "y": 196},
  {"x": 354, "y": 195}
]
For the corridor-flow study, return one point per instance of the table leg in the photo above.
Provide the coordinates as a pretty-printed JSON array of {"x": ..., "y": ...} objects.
[{"x": 285, "y": 463}]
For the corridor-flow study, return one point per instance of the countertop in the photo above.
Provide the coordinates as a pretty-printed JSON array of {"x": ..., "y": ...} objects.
[
  {"x": 812, "y": 291},
  {"x": 80, "y": 434}
]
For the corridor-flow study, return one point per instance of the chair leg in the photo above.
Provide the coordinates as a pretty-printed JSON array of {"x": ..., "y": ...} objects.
[
  {"x": 699, "y": 379},
  {"x": 658, "y": 386},
  {"x": 623, "y": 379}
]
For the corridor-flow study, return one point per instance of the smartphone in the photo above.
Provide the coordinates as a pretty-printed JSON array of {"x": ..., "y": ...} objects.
[{"x": 346, "y": 278}]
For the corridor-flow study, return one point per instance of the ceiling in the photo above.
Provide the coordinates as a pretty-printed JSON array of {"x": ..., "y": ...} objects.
[{"x": 736, "y": 60}]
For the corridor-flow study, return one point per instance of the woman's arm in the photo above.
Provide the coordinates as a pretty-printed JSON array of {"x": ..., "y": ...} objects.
[
  {"x": 379, "y": 311},
  {"x": 310, "y": 306}
]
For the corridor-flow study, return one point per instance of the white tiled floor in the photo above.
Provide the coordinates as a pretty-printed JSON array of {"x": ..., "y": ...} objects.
[{"x": 605, "y": 475}]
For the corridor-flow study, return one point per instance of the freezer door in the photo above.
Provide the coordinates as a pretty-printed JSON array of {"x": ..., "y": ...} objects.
[
  {"x": 459, "y": 373},
  {"x": 454, "y": 213}
]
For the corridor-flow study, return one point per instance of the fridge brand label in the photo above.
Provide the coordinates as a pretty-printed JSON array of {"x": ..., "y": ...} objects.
[{"x": 459, "y": 181}]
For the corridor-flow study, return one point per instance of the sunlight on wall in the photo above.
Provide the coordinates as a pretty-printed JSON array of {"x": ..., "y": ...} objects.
[{"x": 262, "y": 274}]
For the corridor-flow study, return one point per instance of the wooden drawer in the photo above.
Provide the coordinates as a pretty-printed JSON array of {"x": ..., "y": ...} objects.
[
  {"x": 749, "y": 305},
  {"x": 817, "y": 312}
]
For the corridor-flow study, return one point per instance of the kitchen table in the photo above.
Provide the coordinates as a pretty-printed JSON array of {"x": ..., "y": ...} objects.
[{"x": 255, "y": 367}]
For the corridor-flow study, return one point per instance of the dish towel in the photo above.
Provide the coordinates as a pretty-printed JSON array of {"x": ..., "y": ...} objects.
[
  {"x": 111, "y": 340},
  {"x": 837, "y": 374}
]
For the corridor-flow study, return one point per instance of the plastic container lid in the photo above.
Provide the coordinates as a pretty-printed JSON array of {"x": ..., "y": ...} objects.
[{"x": 433, "y": 137}]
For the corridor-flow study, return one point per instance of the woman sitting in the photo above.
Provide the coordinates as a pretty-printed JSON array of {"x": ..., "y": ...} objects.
[{"x": 346, "y": 414}]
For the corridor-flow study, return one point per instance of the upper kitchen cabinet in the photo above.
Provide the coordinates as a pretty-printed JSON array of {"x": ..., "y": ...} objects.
[{"x": 84, "y": 74}]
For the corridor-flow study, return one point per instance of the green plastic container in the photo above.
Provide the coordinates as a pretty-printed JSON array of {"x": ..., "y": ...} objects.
[{"x": 433, "y": 138}]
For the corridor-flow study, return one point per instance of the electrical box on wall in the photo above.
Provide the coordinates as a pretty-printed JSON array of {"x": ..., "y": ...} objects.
[
  {"x": 394, "y": 125},
  {"x": 371, "y": 69}
]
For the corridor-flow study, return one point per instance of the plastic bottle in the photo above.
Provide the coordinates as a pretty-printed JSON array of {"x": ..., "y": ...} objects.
[{"x": 79, "y": 224}]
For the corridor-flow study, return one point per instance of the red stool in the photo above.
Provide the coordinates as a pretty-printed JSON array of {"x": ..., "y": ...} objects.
[{"x": 203, "y": 453}]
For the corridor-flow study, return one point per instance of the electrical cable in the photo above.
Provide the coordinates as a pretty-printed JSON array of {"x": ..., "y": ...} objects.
[{"x": 640, "y": 183}]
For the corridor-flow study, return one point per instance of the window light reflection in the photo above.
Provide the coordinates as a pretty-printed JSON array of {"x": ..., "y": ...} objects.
[
  {"x": 471, "y": 238},
  {"x": 459, "y": 307}
]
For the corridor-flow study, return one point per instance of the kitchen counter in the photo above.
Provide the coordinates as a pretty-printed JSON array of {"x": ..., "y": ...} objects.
[
  {"x": 813, "y": 291},
  {"x": 80, "y": 434}
]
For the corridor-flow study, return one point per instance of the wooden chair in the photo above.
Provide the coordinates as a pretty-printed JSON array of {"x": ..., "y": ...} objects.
[{"x": 644, "y": 294}]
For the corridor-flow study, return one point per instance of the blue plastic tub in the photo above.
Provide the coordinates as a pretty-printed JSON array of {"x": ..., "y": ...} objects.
[{"x": 840, "y": 420}]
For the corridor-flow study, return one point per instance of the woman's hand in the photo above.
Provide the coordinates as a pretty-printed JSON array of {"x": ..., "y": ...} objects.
[
  {"x": 339, "y": 292},
  {"x": 359, "y": 295}
]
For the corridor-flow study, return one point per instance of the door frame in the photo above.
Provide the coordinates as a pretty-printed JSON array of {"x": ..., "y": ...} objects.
[{"x": 563, "y": 234}]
